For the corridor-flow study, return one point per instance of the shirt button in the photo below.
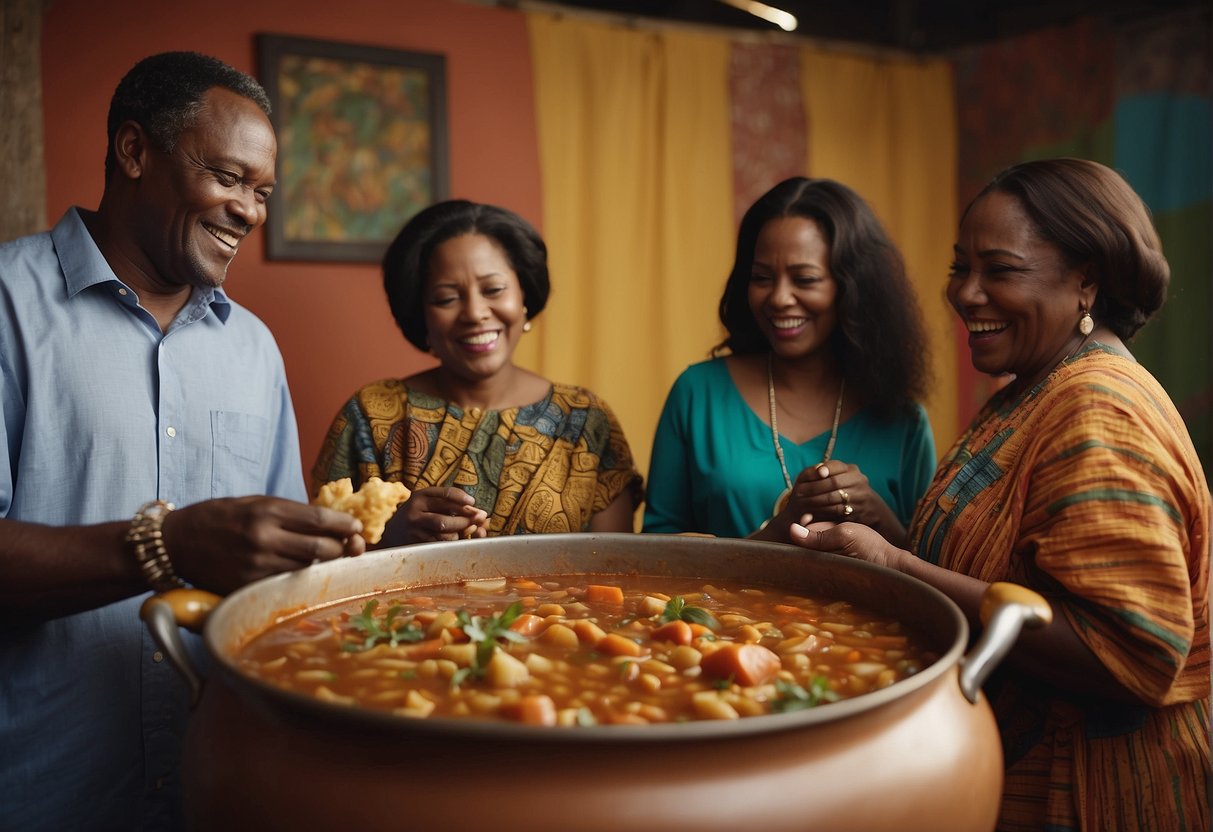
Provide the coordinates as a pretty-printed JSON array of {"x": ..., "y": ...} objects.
[
  {"x": 172, "y": 431},
  {"x": 122, "y": 291},
  {"x": 157, "y": 656}
]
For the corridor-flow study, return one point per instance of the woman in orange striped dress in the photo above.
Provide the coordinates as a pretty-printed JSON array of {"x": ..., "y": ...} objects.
[{"x": 1078, "y": 479}]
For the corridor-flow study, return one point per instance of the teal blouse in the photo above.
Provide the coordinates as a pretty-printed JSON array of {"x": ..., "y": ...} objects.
[{"x": 714, "y": 469}]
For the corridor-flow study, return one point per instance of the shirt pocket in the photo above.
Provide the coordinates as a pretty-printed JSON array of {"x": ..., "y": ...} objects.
[{"x": 240, "y": 442}]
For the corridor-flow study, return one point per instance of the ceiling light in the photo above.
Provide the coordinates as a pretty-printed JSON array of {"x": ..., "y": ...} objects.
[{"x": 779, "y": 17}]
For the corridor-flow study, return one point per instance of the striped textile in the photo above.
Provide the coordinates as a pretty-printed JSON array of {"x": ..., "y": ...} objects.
[{"x": 1087, "y": 489}]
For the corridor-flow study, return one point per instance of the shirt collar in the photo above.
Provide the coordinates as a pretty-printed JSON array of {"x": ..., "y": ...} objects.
[{"x": 84, "y": 265}]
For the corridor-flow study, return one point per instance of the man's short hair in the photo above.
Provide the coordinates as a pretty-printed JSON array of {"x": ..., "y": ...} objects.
[{"x": 163, "y": 94}]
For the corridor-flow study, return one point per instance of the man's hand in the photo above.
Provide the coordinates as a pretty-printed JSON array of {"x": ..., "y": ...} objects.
[{"x": 223, "y": 544}]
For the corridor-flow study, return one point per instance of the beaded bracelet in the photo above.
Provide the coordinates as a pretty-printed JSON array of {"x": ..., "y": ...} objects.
[{"x": 146, "y": 539}]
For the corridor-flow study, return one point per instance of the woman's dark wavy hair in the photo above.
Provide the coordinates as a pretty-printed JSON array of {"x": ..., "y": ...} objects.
[
  {"x": 407, "y": 261},
  {"x": 163, "y": 94},
  {"x": 879, "y": 341},
  {"x": 1096, "y": 219}
]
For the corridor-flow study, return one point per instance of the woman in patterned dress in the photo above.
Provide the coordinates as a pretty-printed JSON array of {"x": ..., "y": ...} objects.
[
  {"x": 1079, "y": 480},
  {"x": 487, "y": 447}
]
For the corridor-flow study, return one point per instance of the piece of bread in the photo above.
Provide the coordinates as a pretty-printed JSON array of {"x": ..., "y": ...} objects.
[{"x": 373, "y": 503}]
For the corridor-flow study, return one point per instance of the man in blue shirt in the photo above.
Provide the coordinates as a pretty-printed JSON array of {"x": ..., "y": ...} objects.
[{"x": 130, "y": 381}]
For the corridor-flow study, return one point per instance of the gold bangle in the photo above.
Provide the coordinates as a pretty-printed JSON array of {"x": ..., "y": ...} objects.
[{"x": 146, "y": 539}]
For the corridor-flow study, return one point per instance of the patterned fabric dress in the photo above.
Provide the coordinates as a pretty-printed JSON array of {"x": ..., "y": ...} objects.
[
  {"x": 1088, "y": 490},
  {"x": 543, "y": 468}
]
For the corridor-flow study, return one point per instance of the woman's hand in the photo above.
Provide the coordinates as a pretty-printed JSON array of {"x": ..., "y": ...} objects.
[
  {"x": 840, "y": 492},
  {"x": 850, "y": 539},
  {"x": 437, "y": 514}
]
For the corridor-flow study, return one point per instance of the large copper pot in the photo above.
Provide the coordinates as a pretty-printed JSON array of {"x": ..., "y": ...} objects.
[{"x": 916, "y": 755}]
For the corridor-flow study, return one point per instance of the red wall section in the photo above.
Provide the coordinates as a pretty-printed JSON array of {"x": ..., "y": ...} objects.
[{"x": 331, "y": 320}]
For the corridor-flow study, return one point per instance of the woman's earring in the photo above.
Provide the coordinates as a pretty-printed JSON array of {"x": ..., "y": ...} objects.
[
  {"x": 527, "y": 327},
  {"x": 1086, "y": 324}
]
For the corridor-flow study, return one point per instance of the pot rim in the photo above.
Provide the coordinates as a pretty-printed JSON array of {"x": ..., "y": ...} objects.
[{"x": 478, "y": 567}]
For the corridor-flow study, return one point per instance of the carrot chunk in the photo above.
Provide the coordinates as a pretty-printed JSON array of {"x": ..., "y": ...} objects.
[
  {"x": 678, "y": 632},
  {"x": 604, "y": 594},
  {"x": 420, "y": 650},
  {"x": 745, "y": 664},
  {"x": 613, "y": 644},
  {"x": 536, "y": 709},
  {"x": 528, "y": 624}
]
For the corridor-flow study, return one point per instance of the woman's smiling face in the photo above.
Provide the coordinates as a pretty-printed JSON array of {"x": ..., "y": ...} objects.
[
  {"x": 791, "y": 290},
  {"x": 1016, "y": 295},
  {"x": 474, "y": 308}
]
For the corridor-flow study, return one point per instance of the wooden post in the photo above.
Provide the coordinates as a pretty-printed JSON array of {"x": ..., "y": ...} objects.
[{"x": 22, "y": 166}]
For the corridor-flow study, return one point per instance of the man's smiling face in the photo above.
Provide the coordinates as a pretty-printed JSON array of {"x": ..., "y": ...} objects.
[{"x": 199, "y": 202}]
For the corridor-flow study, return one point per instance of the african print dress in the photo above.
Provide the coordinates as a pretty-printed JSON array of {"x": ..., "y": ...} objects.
[
  {"x": 542, "y": 468},
  {"x": 1087, "y": 489}
]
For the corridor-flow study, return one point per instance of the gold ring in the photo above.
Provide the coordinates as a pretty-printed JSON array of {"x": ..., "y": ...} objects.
[
  {"x": 847, "y": 509},
  {"x": 846, "y": 498}
]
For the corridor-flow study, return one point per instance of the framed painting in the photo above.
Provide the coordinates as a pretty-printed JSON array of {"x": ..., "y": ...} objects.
[{"x": 362, "y": 145}]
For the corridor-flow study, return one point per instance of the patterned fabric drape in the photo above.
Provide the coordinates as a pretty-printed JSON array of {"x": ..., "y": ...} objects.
[
  {"x": 637, "y": 194},
  {"x": 1135, "y": 96},
  {"x": 653, "y": 142}
]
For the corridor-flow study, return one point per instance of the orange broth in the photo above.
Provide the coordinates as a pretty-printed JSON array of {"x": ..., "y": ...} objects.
[{"x": 627, "y": 650}]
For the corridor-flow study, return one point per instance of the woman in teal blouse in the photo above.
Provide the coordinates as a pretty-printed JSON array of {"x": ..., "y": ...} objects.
[{"x": 811, "y": 404}]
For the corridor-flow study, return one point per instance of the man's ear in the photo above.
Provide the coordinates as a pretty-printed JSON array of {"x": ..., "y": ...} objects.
[{"x": 131, "y": 145}]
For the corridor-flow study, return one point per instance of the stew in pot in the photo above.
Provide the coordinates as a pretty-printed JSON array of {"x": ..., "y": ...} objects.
[{"x": 564, "y": 650}]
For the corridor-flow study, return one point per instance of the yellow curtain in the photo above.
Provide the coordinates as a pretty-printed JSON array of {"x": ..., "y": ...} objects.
[
  {"x": 886, "y": 126},
  {"x": 637, "y": 198}
]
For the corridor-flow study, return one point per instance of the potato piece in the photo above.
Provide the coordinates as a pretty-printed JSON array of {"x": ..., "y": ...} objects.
[
  {"x": 588, "y": 633},
  {"x": 461, "y": 654},
  {"x": 505, "y": 671},
  {"x": 561, "y": 636}
]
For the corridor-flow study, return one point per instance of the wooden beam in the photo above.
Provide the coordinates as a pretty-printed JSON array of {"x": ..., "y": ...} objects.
[{"x": 22, "y": 166}]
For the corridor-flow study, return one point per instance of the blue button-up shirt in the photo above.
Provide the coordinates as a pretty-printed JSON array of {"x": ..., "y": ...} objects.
[{"x": 101, "y": 413}]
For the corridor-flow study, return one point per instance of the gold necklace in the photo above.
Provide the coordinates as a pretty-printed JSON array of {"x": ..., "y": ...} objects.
[{"x": 782, "y": 500}]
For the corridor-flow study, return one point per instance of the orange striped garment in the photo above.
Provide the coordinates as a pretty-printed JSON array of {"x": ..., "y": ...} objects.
[{"x": 1087, "y": 489}]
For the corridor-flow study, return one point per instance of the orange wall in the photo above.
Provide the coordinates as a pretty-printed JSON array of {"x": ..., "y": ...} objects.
[{"x": 331, "y": 320}]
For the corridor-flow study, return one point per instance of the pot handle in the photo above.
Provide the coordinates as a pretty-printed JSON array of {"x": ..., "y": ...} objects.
[
  {"x": 164, "y": 614},
  {"x": 1005, "y": 610}
]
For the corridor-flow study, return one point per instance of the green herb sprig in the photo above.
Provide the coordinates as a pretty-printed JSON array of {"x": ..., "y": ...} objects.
[
  {"x": 792, "y": 697},
  {"x": 484, "y": 633},
  {"x": 676, "y": 609},
  {"x": 375, "y": 630}
]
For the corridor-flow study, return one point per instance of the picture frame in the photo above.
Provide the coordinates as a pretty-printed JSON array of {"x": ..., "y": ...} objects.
[{"x": 362, "y": 145}]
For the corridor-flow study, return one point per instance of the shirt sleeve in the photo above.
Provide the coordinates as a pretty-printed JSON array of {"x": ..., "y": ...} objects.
[
  {"x": 617, "y": 471},
  {"x": 668, "y": 507}
]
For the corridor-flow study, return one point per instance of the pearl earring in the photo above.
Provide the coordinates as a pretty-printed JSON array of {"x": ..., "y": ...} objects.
[{"x": 1086, "y": 324}]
